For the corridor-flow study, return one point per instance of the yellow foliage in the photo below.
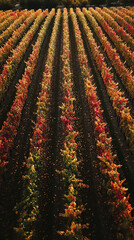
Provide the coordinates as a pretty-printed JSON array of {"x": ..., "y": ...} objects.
[{"x": 33, "y": 168}]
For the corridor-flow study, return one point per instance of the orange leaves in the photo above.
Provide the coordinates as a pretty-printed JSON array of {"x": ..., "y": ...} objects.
[
  {"x": 61, "y": 232},
  {"x": 13, "y": 61},
  {"x": 29, "y": 203},
  {"x": 9, "y": 131},
  {"x": 14, "y": 115},
  {"x": 72, "y": 212},
  {"x": 124, "y": 73},
  {"x": 117, "y": 97},
  {"x": 73, "y": 207},
  {"x": 115, "y": 189},
  {"x": 121, "y": 202},
  {"x": 70, "y": 197}
]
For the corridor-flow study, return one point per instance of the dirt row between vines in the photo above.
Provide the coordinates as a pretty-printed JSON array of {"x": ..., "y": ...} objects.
[
  {"x": 51, "y": 187},
  {"x": 120, "y": 145},
  {"x": 94, "y": 213},
  {"x": 17, "y": 43},
  {"x": 116, "y": 76},
  {"x": 112, "y": 44},
  {"x": 9, "y": 96},
  {"x": 12, "y": 183}
]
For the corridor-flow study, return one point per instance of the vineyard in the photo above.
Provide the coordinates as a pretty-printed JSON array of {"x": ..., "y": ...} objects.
[{"x": 67, "y": 124}]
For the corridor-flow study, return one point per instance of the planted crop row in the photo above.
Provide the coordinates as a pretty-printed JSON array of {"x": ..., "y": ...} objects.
[
  {"x": 124, "y": 15},
  {"x": 130, "y": 8},
  {"x": 42, "y": 169},
  {"x": 4, "y": 15},
  {"x": 8, "y": 47},
  {"x": 28, "y": 213},
  {"x": 126, "y": 11},
  {"x": 119, "y": 30},
  {"x": 12, "y": 16},
  {"x": 119, "y": 44},
  {"x": 70, "y": 173},
  {"x": 10, "y": 126},
  {"x": 124, "y": 73},
  {"x": 8, "y": 32},
  {"x": 119, "y": 102},
  {"x": 12, "y": 63},
  {"x": 121, "y": 21},
  {"x": 117, "y": 200}
]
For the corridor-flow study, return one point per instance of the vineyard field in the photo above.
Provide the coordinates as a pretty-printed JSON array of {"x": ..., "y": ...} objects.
[{"x": 67, "y": 124}]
